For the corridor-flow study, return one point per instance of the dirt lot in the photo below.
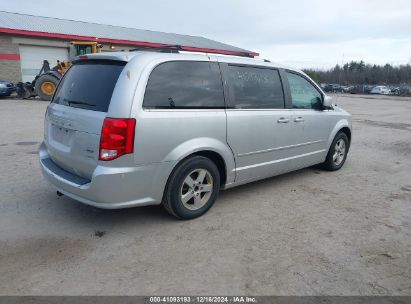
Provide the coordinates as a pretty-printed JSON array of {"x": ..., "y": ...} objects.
[{"x": 305, "y": 233}]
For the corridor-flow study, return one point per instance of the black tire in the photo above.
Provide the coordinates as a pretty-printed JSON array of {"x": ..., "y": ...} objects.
[
  {"x": 329, "y": 163},
  {"x": 24, "y": 94},
  {"x": 45, "y": 78},
  {"x": 24, "y": 90},
  {"x": 172, "y": 201}
]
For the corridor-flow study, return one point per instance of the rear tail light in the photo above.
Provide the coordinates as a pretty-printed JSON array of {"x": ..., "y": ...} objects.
[{"x": 117, "y": 138}]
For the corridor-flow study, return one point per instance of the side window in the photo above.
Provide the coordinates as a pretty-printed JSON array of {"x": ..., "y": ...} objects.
[
  {"x": 303, "y": 94},
  {"x": 185, "y": 84},
  {"x": 255, "y": 88}
]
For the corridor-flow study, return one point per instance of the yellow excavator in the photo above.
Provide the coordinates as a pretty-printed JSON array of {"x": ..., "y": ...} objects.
[{"x": 45, "y": 83}]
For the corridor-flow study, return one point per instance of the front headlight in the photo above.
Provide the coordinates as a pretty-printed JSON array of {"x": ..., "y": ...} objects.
[{"x": 3, "y": 86}]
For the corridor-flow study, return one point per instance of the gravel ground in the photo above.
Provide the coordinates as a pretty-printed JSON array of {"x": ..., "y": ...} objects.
[{"x": 309, "y": 232}]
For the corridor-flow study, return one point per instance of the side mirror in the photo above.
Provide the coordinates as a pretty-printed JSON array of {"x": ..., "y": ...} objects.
[{"x": 327, "y": 102}]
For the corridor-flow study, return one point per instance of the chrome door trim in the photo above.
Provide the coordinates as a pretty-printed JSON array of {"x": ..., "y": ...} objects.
[
  {"x": 280, "y": 148},
  {"x": 184, "y": 110},
  {"x": 279, "y": 160}
]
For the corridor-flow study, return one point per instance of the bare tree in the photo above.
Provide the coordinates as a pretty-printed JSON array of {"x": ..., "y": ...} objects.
[{"x": 355, "y": 73}]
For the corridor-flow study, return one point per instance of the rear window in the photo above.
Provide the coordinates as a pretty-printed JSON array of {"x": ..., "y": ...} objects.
[
  {"x": 89, "y": 85},
  {"x": 185, "y": 84}
]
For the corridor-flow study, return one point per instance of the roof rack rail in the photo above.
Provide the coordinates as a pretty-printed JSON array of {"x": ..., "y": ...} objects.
[
  {"x": 175, "y": 48},
  {"x": 168, "y": 48}
]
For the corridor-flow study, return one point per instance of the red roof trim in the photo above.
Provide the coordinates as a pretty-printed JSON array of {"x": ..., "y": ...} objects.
[
  {"x": 119, "y": 41},
  {"x": 9, "y": 57}
]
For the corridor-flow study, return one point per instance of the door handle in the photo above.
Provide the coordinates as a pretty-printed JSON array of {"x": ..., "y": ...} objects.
[
  {"x": 299, "y": 119},
  {"x": 283, "y": 120}
]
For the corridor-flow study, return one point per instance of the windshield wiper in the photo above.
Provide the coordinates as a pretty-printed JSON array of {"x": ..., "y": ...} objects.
[{"x": 70, "y": 102}]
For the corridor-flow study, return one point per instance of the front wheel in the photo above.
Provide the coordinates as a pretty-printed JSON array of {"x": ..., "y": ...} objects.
[
  {"x": 192, "y": 188},
  {"x": 46, "y": 86},
  {"x": 338, "y": 153}
]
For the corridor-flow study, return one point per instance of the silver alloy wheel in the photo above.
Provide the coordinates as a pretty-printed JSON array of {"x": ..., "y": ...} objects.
[
  {"x": 196, "y": 189},
  {"x": 339, "y": 152}
]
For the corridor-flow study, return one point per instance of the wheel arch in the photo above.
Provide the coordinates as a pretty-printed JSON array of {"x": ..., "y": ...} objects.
[
  {"x": 214, "y": 156},
  {"x": 343, "y": 125},
  {"x": 347, "y": 132},
  {"x": 218, "y": 160},
  {"x": 209, "y": 147}
]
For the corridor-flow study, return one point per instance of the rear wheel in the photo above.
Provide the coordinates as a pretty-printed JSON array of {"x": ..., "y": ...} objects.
[
  {"x": 338, "y": 152},
  {"x": 192, "y": 188},
  {"x": 46, "y": 86}
]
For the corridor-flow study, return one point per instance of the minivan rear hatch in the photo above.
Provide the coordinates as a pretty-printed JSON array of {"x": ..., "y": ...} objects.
[{"x": 75, "y": 116}]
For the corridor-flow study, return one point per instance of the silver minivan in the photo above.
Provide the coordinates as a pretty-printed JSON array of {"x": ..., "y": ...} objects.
[{"x": 152, "y": 127}]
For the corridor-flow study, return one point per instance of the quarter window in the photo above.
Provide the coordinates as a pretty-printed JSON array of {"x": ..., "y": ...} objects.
[
  {"x": 185, "y": 84},
  {"x": 255, "y": 88},
  {"x": 303, "y": 94}
]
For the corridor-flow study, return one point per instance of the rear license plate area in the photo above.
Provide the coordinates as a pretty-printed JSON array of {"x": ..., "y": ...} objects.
[{"x": 60, "y": 134}]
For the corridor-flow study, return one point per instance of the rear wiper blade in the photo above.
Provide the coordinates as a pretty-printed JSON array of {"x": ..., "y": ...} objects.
[{"x": 70, "y": 102}]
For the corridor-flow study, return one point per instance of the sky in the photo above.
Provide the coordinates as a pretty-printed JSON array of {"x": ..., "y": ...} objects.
[{"x": 303, "y": 34}]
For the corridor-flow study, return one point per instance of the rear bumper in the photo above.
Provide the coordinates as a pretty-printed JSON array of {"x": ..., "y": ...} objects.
[{"x": 110, "y": 188}]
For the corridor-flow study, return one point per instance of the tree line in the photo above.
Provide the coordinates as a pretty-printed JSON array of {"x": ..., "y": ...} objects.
[{"x": 354, "y": 72}]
